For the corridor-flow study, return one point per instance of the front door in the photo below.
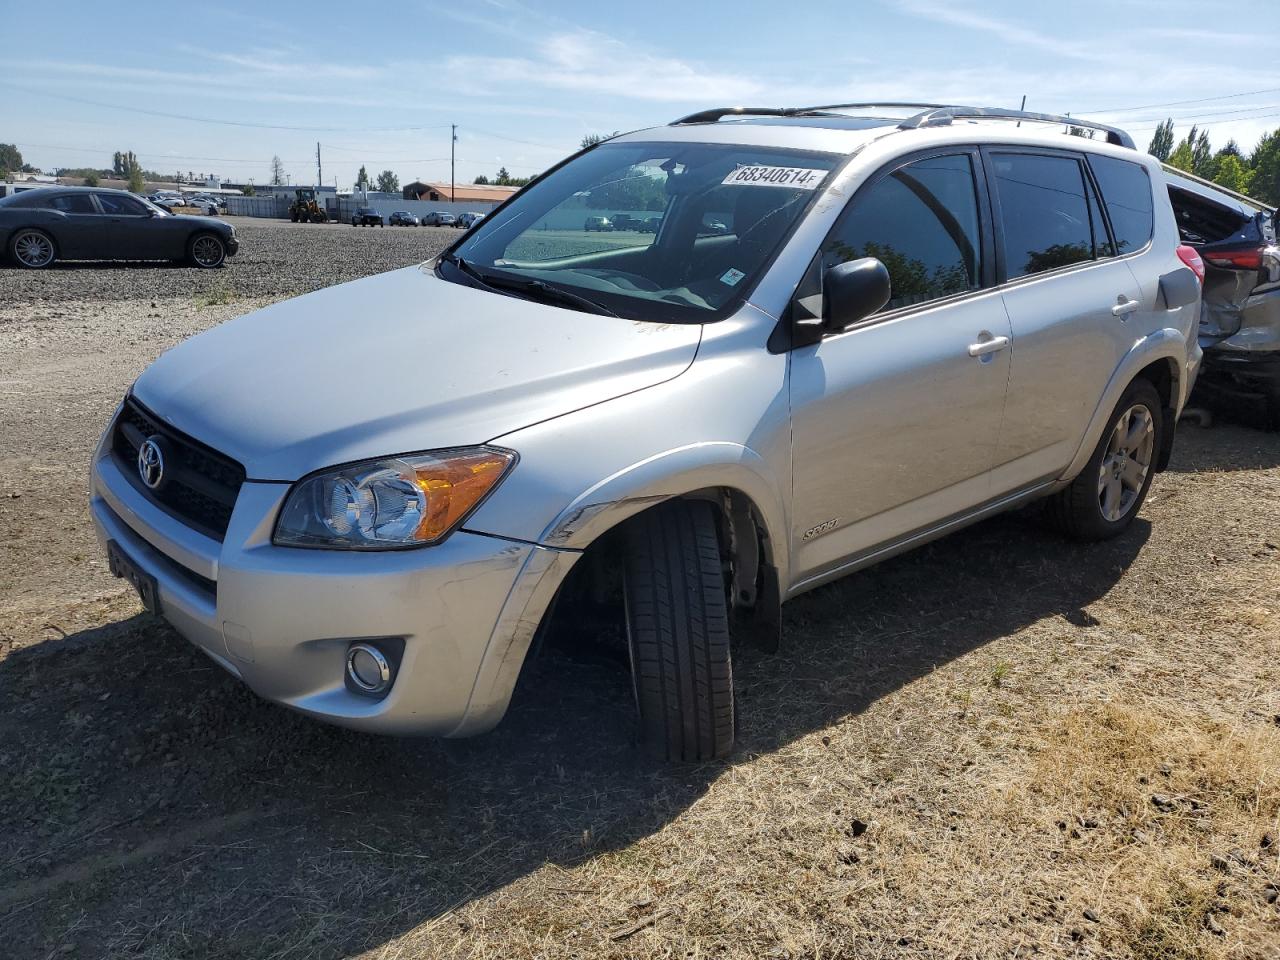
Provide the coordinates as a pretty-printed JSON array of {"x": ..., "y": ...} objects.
[
  {"x": 135, "y": 233},
  {"x": 895, "y": 421}
]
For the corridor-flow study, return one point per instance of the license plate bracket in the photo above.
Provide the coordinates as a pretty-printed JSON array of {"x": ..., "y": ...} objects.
[{"x": 123, "y": 566}]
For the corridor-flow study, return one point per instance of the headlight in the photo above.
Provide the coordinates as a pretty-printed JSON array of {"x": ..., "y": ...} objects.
[{"x": 408, "y": 501}]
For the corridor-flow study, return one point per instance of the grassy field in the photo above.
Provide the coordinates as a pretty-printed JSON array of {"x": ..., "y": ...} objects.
[{"x": 1002, "y": 745}]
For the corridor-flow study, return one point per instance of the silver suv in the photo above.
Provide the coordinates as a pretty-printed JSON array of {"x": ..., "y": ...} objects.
[{"x": 845, "y": 337}]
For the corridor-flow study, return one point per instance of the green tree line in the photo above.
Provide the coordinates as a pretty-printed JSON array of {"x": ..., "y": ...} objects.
[{"x": 1256, "y": 174}]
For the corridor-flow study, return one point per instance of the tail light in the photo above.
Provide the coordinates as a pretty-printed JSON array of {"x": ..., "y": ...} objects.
[
  {"x": 1245, "y": 258},
  {"x": 1188, "y": 255}
]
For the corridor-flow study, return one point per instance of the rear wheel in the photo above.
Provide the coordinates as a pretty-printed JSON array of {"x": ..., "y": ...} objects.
[
  {"x": 1103, "y": 500},
  {"x": 678, "y": 632},
  {"x": 206, "y": 251},
  {"x": 32, "y": 249}
]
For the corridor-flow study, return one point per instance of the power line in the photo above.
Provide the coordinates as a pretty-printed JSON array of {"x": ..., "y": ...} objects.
[{"x": 1180, "y": 103}]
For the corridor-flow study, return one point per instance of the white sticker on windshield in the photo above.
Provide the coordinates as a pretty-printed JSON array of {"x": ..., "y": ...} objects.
[
  {"x": 796, "y": 178},
  {"x": 731, "y": 277}
]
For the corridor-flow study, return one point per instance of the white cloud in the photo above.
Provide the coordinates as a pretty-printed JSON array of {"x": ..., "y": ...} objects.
[{"x": 1006, "y": 30}]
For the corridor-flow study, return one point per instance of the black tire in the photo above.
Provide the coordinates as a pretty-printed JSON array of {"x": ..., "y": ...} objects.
[
  {"x": 32, "y": 249},
  {"x": 208, "y": 251},
  {"x": 678, "y": 632},
  {"x": 1084, "y": 510}
]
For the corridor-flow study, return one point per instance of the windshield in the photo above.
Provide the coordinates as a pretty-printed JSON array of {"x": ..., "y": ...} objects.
[{"x": 673, "y": 232}]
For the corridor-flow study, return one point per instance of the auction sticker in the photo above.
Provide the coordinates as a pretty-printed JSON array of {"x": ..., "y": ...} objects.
[{"x": 795, "y": 178}]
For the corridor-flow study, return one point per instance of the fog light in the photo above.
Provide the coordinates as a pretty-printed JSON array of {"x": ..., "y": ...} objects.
[{"x": 368, "y": 669}]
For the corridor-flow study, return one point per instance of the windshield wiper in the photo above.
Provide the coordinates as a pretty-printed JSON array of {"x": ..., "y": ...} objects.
[{"x": 531, "y": 288}]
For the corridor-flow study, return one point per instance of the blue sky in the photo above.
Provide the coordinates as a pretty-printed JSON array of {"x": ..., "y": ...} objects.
[{"x": 379, "y": 84}]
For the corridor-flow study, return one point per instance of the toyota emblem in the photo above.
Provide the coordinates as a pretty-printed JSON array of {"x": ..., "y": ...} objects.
[{"x": 151, "y": 463}]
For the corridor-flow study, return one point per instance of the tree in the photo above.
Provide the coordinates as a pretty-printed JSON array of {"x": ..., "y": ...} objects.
[
  {"x": 1162, "y": 141},
  {"x": 136, "y": 183},
  {"x": 482, "y": 179},
  {"x": 1202, "y": 161},
  {"x": 1266, "y": 169},
  {"x": 1232, "y": 173},
  {"x": 1232, "y": 148},
  {"x": 1182, "y": 158},
  {"x": 10, "y": 158},
  {"x": 248, "y": 190},
  {"x": 362, "y": 179},
  {"x": 388, "y": 182},
  {"x": 124, "y": 163},
  {"x": 277, "y": 172},
  {"x": 91, "y": 180}
]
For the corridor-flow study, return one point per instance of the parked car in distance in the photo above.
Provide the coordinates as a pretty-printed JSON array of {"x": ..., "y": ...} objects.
[
  {"x": 367, "y": 217},
  {"x": 599, "y": 224},
  {"x": 465, "y": 221},
  {"x": 206, "y": 205},
  {"x": 1236, "y": 237},
  {"x": 622, "y": 221},
  {"x": 668, "y": 440},
  {"x": 39, "y": 227},
  {"x": 437, "y": 218},
  {"x": 402, "y": 218},
  {"x": 649, "y": 224}
]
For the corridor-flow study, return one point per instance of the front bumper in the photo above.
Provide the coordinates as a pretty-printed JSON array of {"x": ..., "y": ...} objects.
[
  {"x": 233, "y": 246},
  {"x": 281, "y": 619}
]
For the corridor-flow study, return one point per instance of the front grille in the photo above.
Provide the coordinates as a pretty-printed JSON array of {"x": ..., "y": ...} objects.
[{"x": 200, "y": 485}]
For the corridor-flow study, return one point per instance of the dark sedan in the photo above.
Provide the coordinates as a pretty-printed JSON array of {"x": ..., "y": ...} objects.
[
  {"x": 367, "y": 217},
  {"x": 38, "y": 227}
]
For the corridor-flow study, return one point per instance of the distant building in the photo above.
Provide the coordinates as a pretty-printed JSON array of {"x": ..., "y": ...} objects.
[{"x": 460, "y": 193}]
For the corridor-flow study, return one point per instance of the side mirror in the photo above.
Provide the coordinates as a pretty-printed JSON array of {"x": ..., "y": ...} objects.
[{"x": 853, "y": 291}]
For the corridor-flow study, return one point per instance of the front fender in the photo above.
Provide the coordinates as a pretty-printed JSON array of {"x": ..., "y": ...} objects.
[
  {"x": 1168, "y": 344},
  {"x": 673, "y": 473}
]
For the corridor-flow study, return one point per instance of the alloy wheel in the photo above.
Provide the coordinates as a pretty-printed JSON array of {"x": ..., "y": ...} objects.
[
  {"x": 33, "y": 249},
  {"x": 1125, "y": 465},
  {"x": 207, "y": 251}
]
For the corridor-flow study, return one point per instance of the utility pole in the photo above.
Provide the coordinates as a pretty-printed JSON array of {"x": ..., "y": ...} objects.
[
  {"x": 453, "y": 139},
  {"x": 319, "y": 169}
]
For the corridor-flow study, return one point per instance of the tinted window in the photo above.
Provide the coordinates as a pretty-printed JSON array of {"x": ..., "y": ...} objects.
[
  {"x": 1102, "y": 246},
  {"x": 1126, "y": 190},
  {"x": 73, "y": 203},
  {"x": 1044, "y": 212},
  {"x": 121, "y": 205},
  {"x": 921, "y": 222}
]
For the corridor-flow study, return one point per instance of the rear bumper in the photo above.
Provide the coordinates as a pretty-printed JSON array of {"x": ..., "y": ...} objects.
[{"x": 282, "y": 619}]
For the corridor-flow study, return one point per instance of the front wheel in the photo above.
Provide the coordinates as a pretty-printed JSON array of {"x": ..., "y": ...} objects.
[
  {"x": 678, "y": 632},
  {"x": 206, "y": 251},
  {"x": 32, "y": 249},
  {"x": 1103, "y": 500}
]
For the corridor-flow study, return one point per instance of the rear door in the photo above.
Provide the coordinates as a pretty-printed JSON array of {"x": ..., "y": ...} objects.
[
  {"x": 895, "y": 420},
  {"x": 1071, "y": 303},
  {"x": 84, "y": 233}
]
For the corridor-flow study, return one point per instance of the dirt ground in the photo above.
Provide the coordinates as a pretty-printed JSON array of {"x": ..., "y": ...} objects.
[{"x": 1000, "y": 745}]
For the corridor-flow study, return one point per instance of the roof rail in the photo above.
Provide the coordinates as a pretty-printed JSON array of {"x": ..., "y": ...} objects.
[
  {"x": 945, "y": 115},
  {"x": 718, "y": 113}
]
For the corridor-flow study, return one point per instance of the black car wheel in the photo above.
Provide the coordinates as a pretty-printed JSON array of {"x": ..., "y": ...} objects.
[
  {"x": 206, "y": 251},
  {"x": 32, "y": 249}
]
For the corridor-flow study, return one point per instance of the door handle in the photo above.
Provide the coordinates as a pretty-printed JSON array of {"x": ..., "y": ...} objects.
[
  {"x": 1124, "y": 306},
  {"x": 993, "y": 345}
]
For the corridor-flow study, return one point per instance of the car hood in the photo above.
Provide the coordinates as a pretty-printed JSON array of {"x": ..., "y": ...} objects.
[{"x": 394, "y": 364}]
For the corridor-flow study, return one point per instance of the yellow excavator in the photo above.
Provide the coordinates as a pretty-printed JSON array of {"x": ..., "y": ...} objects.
[{"x": 305, "y": 208}]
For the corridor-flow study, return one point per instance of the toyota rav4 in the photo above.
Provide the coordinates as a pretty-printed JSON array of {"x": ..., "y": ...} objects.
[{"x": 844, "y": 337}]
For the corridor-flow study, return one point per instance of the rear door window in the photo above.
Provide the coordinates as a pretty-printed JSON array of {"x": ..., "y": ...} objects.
[
  {"x": 73, "y": 203},
  {"x": 1126, "y": 190},
  {"x": 1044, "y": 212},
  {"x": 921, "y": 222},
  {"x": 121, "y": 206}
]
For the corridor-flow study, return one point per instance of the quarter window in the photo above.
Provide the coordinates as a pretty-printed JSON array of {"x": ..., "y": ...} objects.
[
  {"x": 1044, "y": 212},
  {"x": 921, "y": 222},
  {"x": 1126, "y": 190}
]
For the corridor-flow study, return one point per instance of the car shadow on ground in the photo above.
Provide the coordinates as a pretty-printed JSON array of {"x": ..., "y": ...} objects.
[
  {"x": 70, "y": 266},
  {"x": 153, "y": 805}
]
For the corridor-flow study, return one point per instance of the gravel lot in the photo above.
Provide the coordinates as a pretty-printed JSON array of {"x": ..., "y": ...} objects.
[{"x": 999, "y": 745}]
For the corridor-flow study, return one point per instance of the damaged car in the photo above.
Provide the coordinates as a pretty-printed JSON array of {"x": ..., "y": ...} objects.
[{"x": 1236, "y": 237}]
